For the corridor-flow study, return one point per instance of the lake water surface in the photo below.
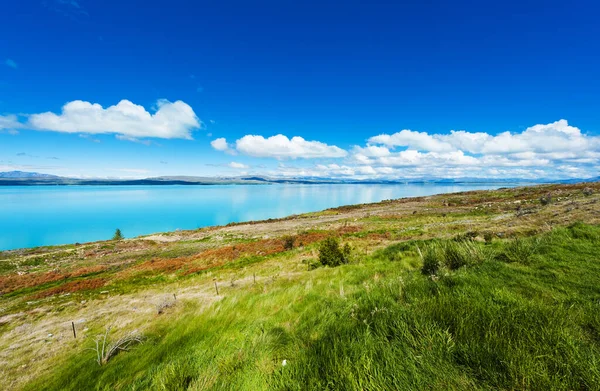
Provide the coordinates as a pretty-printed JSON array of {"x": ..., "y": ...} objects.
[{"x": 48, "y": 215}]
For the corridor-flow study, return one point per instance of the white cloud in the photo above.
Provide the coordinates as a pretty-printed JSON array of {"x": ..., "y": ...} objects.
[
  {"x": 171, "y": 120},
  {"x": 372, "y": 151},
  {"x": 415, "y": 140},
  {"x": 220, "y": 144},
  {"x": 238, "y": 166},
  {"x": 554, "y": 150},
  {"x": 11, "y": 63},
  {"x": 546, "y": 150},
  {"x": 281, "y": 147},
  {"x": 558, "y": 136},
  {"x": 9, "y": 122}
]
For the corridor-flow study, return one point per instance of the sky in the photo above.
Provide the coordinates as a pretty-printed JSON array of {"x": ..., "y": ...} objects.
[{"x": 352, "y": 89}]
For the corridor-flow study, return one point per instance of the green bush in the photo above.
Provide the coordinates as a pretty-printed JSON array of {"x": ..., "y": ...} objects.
[
  {"x": 118, "y": 235},
  {"x": 288, "y": 242},
  {"x": 330, "y": 253}
]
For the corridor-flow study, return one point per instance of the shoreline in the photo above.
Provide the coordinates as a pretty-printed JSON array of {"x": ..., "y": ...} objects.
[{"x": 278, "y": 219}]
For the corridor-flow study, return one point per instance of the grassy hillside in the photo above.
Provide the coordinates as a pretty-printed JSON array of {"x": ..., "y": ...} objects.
[{"x": 478, "y": 290}]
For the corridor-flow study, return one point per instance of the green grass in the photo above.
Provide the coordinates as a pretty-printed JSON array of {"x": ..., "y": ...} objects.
[{"x": 513, "y": 314}]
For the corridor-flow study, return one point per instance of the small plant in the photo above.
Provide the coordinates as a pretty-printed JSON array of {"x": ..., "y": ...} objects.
[
  {"x": 347, "y": 251},
  {"x": 471, "y": 235},
  {"x": 288, "y": 242},
  {"x": 488, "y": 237},
  {"x": 431, "y": 258},
  {"x": 588, "y": 191},
  {"x": 104, "y": 351},
  {"x": 546, "y": 199},
  {"x": 330, "y": 253},
  {"x": 164, "y": 304},
  {"x": 118, "y": 235},
  {"x": 456, "y": 254},
  {"x": 518, "y": 250},
  {"x": 452, "y": 254}
]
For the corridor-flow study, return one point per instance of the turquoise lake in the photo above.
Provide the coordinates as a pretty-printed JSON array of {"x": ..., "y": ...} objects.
[{"x": 33, "y": 216}]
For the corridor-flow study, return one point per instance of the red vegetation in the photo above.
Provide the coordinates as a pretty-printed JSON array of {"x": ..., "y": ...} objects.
[
  {"x": 13, "y": 282},
  {"x": 73, "y": 286}
]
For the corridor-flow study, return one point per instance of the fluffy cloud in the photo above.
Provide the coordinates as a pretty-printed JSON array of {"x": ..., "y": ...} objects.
[
  {"x": 220, "y": 144},
  {"x": 558, "y": 136},
  {"x": 414, "y": 140},
  {"x": 280, "y": 147},
  {"x": 9, "y": 122},
  {"x": 171, "y": 120},
  {"x": 238, "y": 166},
  {"x": 554, "y": 150},
  {"x": 546, "y": 150}
]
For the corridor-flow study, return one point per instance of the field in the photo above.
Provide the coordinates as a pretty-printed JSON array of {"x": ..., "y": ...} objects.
[{"x": 469, "y": 291}]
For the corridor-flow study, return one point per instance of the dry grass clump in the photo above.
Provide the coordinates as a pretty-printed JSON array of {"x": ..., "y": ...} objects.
[
  {"x": 164, "y": 304},
  {"x": 104, "y": 351}
]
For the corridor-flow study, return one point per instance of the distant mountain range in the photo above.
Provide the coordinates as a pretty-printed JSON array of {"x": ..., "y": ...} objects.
[
  {"x": 21, "y": 178},
  {"x": 23, "y": 174}
]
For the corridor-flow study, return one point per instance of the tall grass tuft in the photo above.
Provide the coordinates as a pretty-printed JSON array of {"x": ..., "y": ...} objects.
[
  {"x": 519, "y": 250},
  {"x": 431, "y": 257},
  {"x": 104, "y": 351},
  {"x": 452, "y": 254}
]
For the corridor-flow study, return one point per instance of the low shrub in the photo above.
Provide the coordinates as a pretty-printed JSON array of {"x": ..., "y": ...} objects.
[
  {"x": 488, "y": 237},
  {"x": 546, "y": 199},
  {"x": 330, "y": 253},
  {"x": 288, "y": 242}
]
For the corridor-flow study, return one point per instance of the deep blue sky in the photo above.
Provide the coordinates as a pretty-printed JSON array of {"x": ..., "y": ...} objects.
[{"x": 334, "y": 72}]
